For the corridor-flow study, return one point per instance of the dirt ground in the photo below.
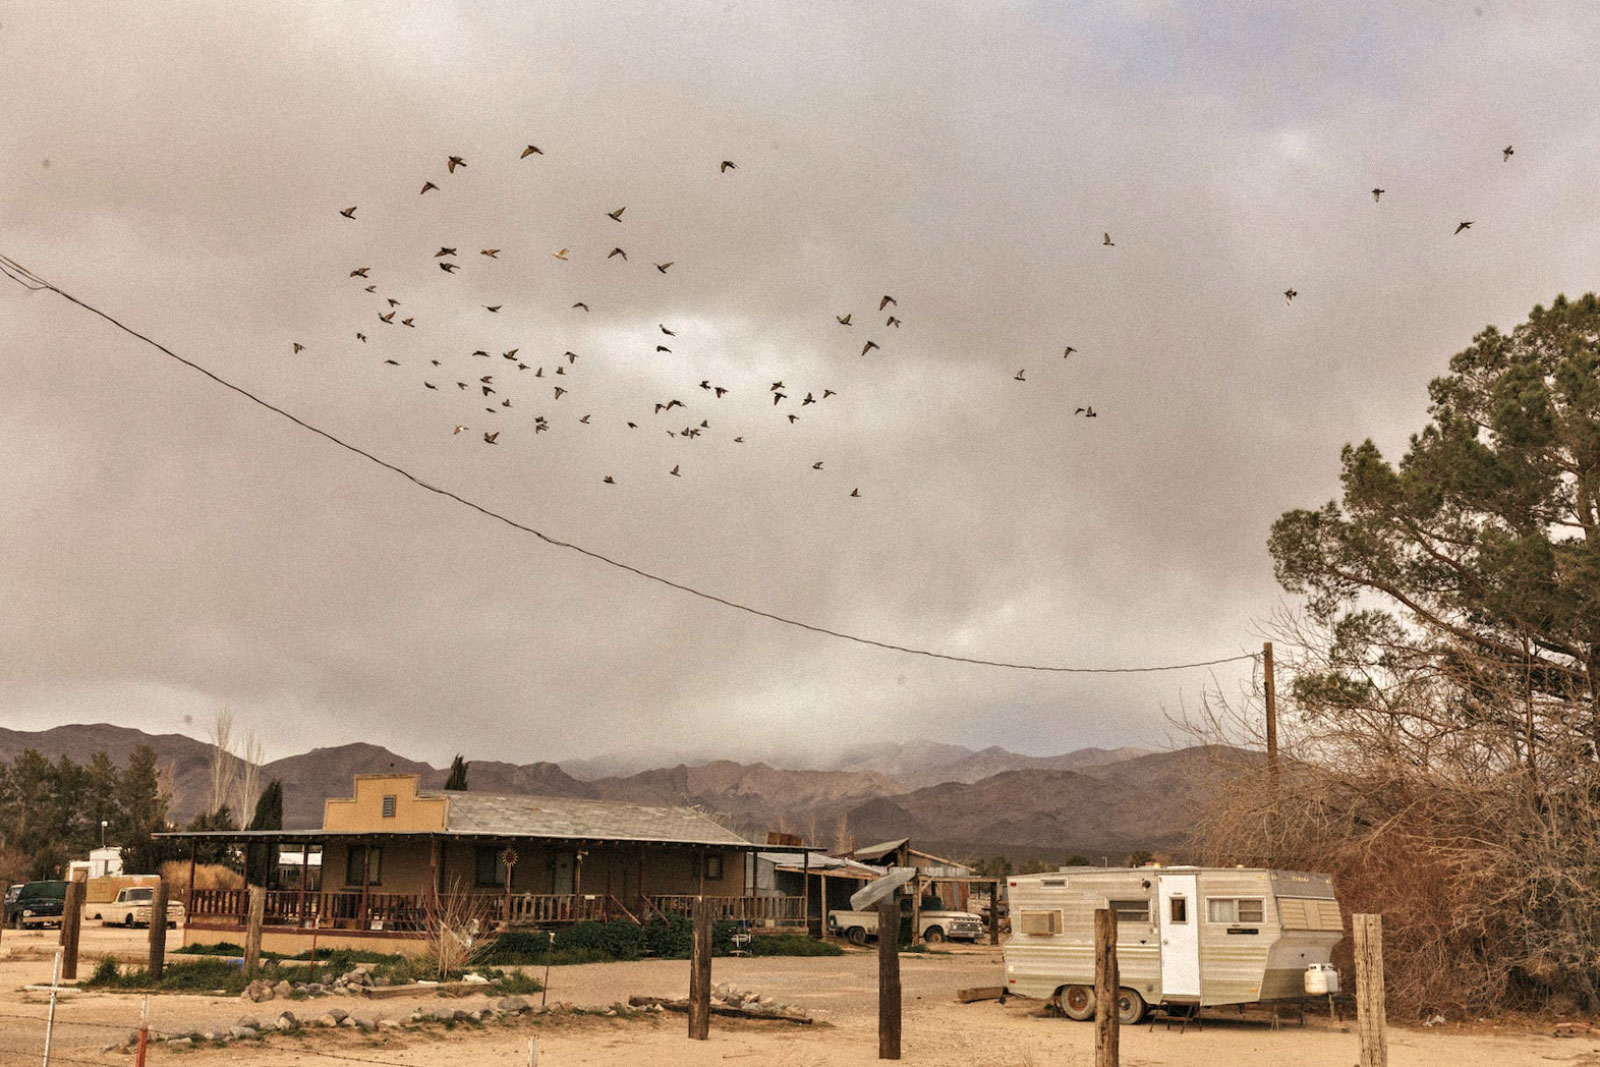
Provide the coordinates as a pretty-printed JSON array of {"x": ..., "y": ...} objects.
[{"x": 840, "y": 992}]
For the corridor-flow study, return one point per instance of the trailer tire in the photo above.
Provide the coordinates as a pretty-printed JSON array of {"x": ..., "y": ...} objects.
[
  {"x": 1077, "y": 1002},
  {"x": 1130, "y": 1007},
  {"x": 856, "y": 935},
  {"x": 934, "y": 936}
]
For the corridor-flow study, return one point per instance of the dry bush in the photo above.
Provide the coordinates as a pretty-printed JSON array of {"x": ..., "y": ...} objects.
[
  {"x": 1460, "y": 805},
  {"x": 206, "y": 876},
  {"x": 460, "y": 931}
]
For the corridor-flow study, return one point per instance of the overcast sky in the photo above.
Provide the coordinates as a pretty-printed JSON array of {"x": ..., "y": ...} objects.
[{"x": 170, "y": 548}]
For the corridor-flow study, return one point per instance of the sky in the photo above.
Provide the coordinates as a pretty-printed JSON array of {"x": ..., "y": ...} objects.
[{"x": 172, "y": 548}]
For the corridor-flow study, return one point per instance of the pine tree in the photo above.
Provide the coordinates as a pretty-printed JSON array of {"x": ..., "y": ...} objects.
[
  {"x": 458, "y": 775},
  {"x": 269, "y": 808}
]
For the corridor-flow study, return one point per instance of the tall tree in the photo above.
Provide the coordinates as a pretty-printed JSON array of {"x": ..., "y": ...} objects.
[
  {"x": 142, "y": 811},
  {"x": 458, "y": 774},
  {"x": 269, "y": 808}
]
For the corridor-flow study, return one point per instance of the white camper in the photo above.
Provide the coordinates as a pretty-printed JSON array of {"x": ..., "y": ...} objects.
[{"x": 1187, "y": 937}]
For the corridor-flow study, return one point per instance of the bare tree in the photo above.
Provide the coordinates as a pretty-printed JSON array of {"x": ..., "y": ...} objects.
[
  {"x": 224, "y": 767},
  {"x": 250, "y": 756}
]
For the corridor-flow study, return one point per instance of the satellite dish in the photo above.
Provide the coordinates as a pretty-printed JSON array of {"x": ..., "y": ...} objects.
[{"x": 881, "y": 889}]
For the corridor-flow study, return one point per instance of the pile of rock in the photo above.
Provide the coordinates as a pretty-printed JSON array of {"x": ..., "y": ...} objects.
[
  {"x": 351, "y": 983},
  {"x": 729, "y": 996}
]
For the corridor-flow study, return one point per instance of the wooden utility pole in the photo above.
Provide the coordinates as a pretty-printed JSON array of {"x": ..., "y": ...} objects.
[
  {"x": 889, "y": 980},
  {"x": 994, "y": 912},
  {"x": 1271, "y": 683},
  {"x": 71, "y": 926},
  {"x": 1370, "y": 1022},
  {"x": 700, "y": 973},
  {"x": 252, "y": 933},
  {"x": 1107, "y": 985},
  {"x": 158, "y": 930}
]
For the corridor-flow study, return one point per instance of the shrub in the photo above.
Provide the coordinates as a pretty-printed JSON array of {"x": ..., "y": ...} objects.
[{"x": 792, "y": 945}]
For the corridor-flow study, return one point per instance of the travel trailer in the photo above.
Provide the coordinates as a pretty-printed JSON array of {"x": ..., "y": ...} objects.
[{"x": 1187, "y": 937}]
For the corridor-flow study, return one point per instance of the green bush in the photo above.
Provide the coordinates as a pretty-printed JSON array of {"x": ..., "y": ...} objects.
[
  {"x": 105, "y": 973},
  {"x": 198, "y": 976},
  {"x": 792, "y": 945}
]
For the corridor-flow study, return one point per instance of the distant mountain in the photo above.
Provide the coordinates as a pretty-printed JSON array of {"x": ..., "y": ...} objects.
[{"x": 925, "y": 763}]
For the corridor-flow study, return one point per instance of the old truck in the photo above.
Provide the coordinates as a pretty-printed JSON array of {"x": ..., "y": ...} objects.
[
  {"x": 859, "y": 927},
  {"x": 132, "y": 908},
  {"x": 1187, "y": 937}
]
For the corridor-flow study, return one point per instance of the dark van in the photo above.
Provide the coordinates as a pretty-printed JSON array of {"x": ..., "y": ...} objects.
[{"x": 39, "y": 904}]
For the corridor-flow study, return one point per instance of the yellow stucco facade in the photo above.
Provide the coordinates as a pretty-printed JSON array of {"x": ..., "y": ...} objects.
[{"x": 385, "y": 803}]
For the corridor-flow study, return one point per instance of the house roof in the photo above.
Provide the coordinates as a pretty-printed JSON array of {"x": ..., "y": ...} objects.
[
  {"x": 820, "y": 864},
  {"x": 573, "y": 817},
  {"x": 881, "y": 849}
]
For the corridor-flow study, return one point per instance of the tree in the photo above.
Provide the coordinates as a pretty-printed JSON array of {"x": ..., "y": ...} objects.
[
  {"x": 1139, "y": 858},
  {"x": 269, "y": 808},
  {"x": 458, "y": 775},
  {"x": 142, "y": 800},
  {"x": 1442, "y": 722}
]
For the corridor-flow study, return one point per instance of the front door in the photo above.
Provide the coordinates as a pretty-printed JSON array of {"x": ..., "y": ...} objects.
[
  {"x": 561, "y": 881},
  {"x": 1178, "y": 900}
]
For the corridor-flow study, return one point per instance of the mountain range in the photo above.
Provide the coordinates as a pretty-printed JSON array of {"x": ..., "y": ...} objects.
[{"x": 950, "y": 799}]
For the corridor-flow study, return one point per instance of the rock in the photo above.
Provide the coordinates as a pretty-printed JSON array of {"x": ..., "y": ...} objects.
[
  {"x": 282, "y": 989},
  {"x": 512, "y": 1005},
  {"x": 181, "y": 1042},
  {"x": 387, "y": 1024},
  {"x": 339, "y": 1014},
  {"x": 475, "y": 1016},
  {"x": 474, "y": 978},
  {"x": 245, "y": 1032},
  {"x": 349, "y": 1022},
  {"x": 326, "y": 1019},
  {"x": 209, "y": 1035},
  {"x": 248, "y": 1020},
  {"x": 286, "y": 1022}
]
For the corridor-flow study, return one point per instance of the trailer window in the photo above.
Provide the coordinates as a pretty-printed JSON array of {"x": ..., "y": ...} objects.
[
  {"x": 1235, "y": 910},
  {"x": 1041, "y": 923},
  {"x": 1180, "y": 910},
  {"x": 1130, "y": 911}
]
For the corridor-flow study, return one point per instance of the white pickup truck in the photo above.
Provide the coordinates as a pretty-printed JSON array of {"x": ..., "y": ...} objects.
[
  {"x": 132, "y": 908},
  {"x": 859, "y": 927}
]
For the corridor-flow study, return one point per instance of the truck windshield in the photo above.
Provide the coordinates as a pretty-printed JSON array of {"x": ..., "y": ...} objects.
[{"x": 140, "y": 896}]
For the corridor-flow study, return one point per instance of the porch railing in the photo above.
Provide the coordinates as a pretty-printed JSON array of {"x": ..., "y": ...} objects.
[{"x": 773, "y": 911}]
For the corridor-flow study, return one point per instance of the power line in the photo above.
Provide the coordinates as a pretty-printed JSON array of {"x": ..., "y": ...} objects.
[{"x": 13, "y": 269}]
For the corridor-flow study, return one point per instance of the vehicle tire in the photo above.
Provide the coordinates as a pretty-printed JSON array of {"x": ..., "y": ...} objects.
[
  {"x": 128, "y": 922},
  {"x": 1077, "y": 1003},
  {"x": 1130, "y": 1007},
  {"x": 934, "y": 936},
  {"x": 16, "y": 923},
  {"x": 856, "y": 935}
]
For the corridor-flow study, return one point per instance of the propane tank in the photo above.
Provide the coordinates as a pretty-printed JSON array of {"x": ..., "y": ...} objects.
[{"x": 1322, "y": 979}]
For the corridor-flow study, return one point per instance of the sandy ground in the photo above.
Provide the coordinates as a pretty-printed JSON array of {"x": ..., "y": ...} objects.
[{"x": 841, "y": 992}]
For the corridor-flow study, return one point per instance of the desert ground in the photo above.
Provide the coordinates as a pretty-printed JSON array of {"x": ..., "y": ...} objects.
[{"x": 839, "y": 991}]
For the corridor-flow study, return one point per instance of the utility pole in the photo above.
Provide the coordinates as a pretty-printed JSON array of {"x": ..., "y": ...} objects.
[{"x": 1272, "y": 719}]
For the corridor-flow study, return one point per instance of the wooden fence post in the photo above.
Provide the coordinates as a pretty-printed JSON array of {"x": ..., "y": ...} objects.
[
  {"x": 994, "y": 912},
  {"x": 158, "y": 930},
  {"x": 1370, "y": 1022},
  {"x": 889, "y": 980},
  {"x": 252, "y": 933},
  {"x": 71, "y": 926},
  {"x": 916, "y": 912},
  {"x": 1107, "y": 985},
  {"x": 700, "y": 973}
]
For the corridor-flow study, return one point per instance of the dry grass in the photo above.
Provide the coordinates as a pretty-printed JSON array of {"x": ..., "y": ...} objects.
[{"x": 206, "y": 876}]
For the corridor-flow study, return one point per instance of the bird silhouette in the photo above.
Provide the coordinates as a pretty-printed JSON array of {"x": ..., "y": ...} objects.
[
  {"x": 480, "y": 352},
  {"x": 1506, "y": 153},
  {"x": 1019, "y": 375},
  {"x": 793, "y": 419},
  {"x": 1108, "y": 242},
  {"x": 868, "y": 347},
  {"x": 808, "y": 400},
  {"x": 585, "y": 420},
  {"x": 843, "y": 320},
  {"x": 298, "y": 347},
  {"x": 389, "y": 318},
  {"x": 572, "y": 357},
  {"x": 663, "y": 348},
  {"x": 493, "y": 307},
  {"x": 491, "y": 438},
  {"x": 361, "y": 337},
  {"x": 1376, "y": 193},
  {"x": 511, "y": 354},
  {"x": 559, "y": 391},
  {"x": 609, "y": 480},
  {"x": 581, "y": 304},
  {"x": 392, "y": 362},
  {"x": 616, "y": 252},
  {"x": 817, "y": 465},
  {"x": 449, "y": 268},
  {"x": 1289, "y": 295},
  {"x": 444, "y": 252},
  {"x": 662, "y": 267},
  {"x": 1087, "y": 412},
  {"x": 372, "y": 288},
  {"x": 492, "y": 253},
  {"x": 349, "y": 212},
  {"x": 1463, "y": 226},
  {"x": 426, "y": 186},
  {"x": 826, "y": 393},
  {"x": 393, "y": 302},
  {"x": 775, "y": 387},
  {"x": 674, "y": 471},
  {"x": 616, "y": 216},
  {"x": 408, "y": 322},
  {"x": 666, "y": 331},
  {"x": 738, "y": 440},
  {"x": 360, "y": 272},
  {"x": 727, "y": 165},
  {"x": 459, "y": 428},
  {"x": 561, "y": 254},
  {"x": 886, "y": 301},
  {"x": 777, "y": 397},
  {"x": 430, "y": 385},
  {"x": 487, "y": 389},
  {"x": 855, "y": 492},
  {"x": 892, "y": 321},
  {"x": 531, "y": 150},
  {"x": 720, "y": 392},
  {"x": 454, "y": 162},
  {"x": 1068, "y": 352}
]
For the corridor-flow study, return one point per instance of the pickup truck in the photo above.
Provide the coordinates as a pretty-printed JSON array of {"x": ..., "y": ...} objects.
[
  {"x": 38, "y": 904},
  {"x": 132, "y": 908},
  {"x": 858, "y": 927}
]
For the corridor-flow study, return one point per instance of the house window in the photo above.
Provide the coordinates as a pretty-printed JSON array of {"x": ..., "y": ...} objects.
[
  {"x": 714, "y": 867},
  {"x": 1246, "y": 910},
  {"x": 388, "y": 807},
  {"x": 368, "y": 856},
  {"x": 490, "y": 870},
  {"x": 1130, "y": 911}
]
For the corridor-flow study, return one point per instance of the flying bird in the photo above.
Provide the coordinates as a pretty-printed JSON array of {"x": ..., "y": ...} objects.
[
  {"x": 512, "y": 354},
  {"x": 1506, "y": 153},
  {"x": 616, "y": 216},
  {"x": 720, "y": 391},
  {"x": 581, "y": 304},
  {"x": 817, "y": 465},
  {"x": 531, "y": 150},
  {"x": 1376, "y": 193},
  {"x": 389, "y": 318},
  {"x": 1463, "y": 226},
  {"x": 727, "y": 165},
  {"x": 808, "y": 400},
  {"x": 585, "y": 420},
  {"x": 868, "y": 347},
  {"x": 444, "y": 252},
  {"x": 561, "y": 254},
  {"x": 663, "y": 348},
  {"x": 826, "y": 393},
  {"x": 793, "y": 419},
  {"x": 449, "y": 268},
  {"x": 392, "y": 362},
  {"x": 1068, "y": 352},
  {"x": 777, "y": 397},
  {"x": 572, "y": 357},
  {"x": 360, "y": 272},
  {"x": 408, "y": 322},
  {"x": 559, "y": 391},
  {"x": 843, "y": 320},
  {"x": 459, "y": 428},
  {"x": 372, "y": 288},
  {"x": 492, "y": 253},
  {"x": 393, "y": 302},
  {"x": 738, "y": 440},
  {"x": 1019, "y": 375},
  {"x": 349, "y": 212},
  {"x": 855, "y": 492},
  {"x": 493, "y": 307},
  {"x": 491, "y": 438},
  {"x": 666, "y": 331},
  {"x": 298, "y": 347},
  {"x": 616, "y": 252},
  {"x": 1108, "y": 242},
  {"x": 886, "y": 301},
  {"x": 361, "y": 337},
  {"x": 609, "y": 480},
  {"x": 426, "y": 186},
  {"x": 1087, "y": 412},
  {"x": 775, "y": 387},
  {"x": 430, "y": 385},
  {"x": 892, "y": 321},
  {"x": 662, "y": 267},
  {"x": 674, "y": 471},
  {"x": 1289, "y": 295},
  {"x": 454, "y": 162}
]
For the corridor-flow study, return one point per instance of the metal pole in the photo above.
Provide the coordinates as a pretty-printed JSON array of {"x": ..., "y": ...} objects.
[
  {"x": 50, "y": 1023},
  {"x": 144, "y": 1033},
  {"x": 1271, "y": 683}
]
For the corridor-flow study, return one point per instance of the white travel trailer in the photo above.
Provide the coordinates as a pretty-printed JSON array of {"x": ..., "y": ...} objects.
[{"x": 1187, "y": 937}]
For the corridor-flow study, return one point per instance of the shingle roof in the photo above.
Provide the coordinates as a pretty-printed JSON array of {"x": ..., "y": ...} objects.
[{"x": 571, "y": 817}]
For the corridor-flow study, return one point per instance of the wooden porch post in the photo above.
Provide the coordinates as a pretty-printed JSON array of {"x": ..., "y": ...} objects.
[
  {"x": 916, "y": 911},
  {"x": 822, "y": 904},
  {"x": 188, "y": 901},
  {"x": 305, "y": 872},
  {"x": 805, "y": 892},
  {"x": 644, "y": 901},
  {"x": 366, "y": 876},
  {"x": 433, "y": 880},
  {"x": 244, "y": 901}
]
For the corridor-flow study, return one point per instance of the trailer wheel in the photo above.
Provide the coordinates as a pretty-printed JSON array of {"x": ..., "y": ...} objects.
[
  {"x": 1077, "y": 1002},
  {"x": 856, "y": 935},
  {"x": 1130, "y": 1007}
]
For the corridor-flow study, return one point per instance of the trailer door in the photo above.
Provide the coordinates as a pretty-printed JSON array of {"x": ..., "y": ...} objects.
[{"x": 1178, "y": 899}]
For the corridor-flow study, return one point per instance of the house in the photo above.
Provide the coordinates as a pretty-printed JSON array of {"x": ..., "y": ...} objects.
[
  {"x": 394, "y": 858},
  {"x": 825, "y": 882},
  {"x": 945, "y": 878}
]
